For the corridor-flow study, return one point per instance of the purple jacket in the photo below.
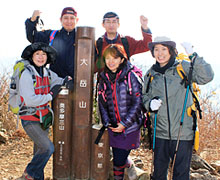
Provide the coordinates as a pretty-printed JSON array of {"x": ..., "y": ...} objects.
[{"x": 129, "y": 105}]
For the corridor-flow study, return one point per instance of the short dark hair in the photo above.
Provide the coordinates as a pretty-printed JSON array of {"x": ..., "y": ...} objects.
[
  {"x": 115, "y": 50},
  {"x": 172, "y": 50}
]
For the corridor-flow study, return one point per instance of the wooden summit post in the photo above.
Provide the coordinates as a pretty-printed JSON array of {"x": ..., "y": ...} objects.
[
  {"x": 62, "y": 107},
  {"x": 83, "y": 103},
  {"x": 100, "y": 155}
]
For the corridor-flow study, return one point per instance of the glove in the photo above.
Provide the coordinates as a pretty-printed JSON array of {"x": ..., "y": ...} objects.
[
  {"x": 65, "y": 80},
  {"x": 55, "y": 91},
  {"x": 69, "y": 84},
  {"x": 155, "y": 104},
  {"x": 188, "y": 47}
]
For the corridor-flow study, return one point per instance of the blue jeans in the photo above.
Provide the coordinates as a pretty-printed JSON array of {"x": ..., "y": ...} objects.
[
  {"x": 43, "y": 148},
  {"x": 164, "y": 151}
]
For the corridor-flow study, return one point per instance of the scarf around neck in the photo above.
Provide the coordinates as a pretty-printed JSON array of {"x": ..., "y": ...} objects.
[
  {"x": 157, "y": 68},
  {"x": 38, "y": 69},
  {"x": 112, "y": 75},
  {"x": 111, "y": 41}
]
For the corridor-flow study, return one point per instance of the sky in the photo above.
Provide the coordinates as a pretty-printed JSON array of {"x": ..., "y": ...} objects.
[{"x": 194, "y": 21}]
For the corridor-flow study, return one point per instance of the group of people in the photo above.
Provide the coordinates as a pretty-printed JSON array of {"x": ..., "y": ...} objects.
[{"x": 121, "y": 112}]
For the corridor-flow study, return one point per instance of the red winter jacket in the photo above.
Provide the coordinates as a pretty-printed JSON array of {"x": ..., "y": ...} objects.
[{"x": 134, "y": 46}]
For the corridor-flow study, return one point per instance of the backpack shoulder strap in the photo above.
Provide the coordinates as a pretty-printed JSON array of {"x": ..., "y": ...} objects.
[
  {"x": 151, "y": 77},
  {"x": 32, "y": 74},
  {"x": 101, "y": 91},
  {"x": 49, "y": 73},
  {"x": 124, "y": 41},
  {"x": 137, "y": 73},
  {"x": 99, "y": 43},
  {"x": 52, "y": 35},
  {"x": 126, "y": 45},
  {"x": 193, "y": 90},
  {"x": 181, "y": 72},
  {"x": 129, "y": 83}
]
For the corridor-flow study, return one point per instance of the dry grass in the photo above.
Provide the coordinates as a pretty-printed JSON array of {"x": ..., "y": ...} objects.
[
  {"x": 7, "y": 119},
  {"x": 209, "y": 128}
]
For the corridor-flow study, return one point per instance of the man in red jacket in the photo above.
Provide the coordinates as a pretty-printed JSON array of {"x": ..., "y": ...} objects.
[{"x": 111, "y": 36}]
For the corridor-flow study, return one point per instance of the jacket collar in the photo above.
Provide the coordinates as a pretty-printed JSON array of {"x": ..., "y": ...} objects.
[
  {"x": 153, "y": 72},
  {"x": 111, "y": 41},
  {"x": 67, "y": 32},
  {"x": 123, "y": 71},
  {"x": 157, "y": 68}
]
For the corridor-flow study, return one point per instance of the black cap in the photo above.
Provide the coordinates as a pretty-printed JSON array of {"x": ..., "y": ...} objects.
[{"x": 110, "y": 15}]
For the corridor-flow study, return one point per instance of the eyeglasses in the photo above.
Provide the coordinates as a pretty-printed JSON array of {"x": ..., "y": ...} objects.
[{"x": 108, "y": 21}]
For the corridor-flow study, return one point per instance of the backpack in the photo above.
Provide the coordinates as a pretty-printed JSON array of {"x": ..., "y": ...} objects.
[
  {"x": 193, "y": 110},
  {"x": 195, "y": 88},
  {"x": 127, "y": 79},
  {"x": 146, "y": 124},
  {"x": 99, "y": 64},
  {"x": 14, "y": 103},
  {"x": 124, "y": 41}
]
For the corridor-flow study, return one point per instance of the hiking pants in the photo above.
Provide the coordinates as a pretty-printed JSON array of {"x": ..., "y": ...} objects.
[
  {"x": 164, "y": 151},
  {"x": 43, "y": 149},
  {"x": 120, "y": 160}
]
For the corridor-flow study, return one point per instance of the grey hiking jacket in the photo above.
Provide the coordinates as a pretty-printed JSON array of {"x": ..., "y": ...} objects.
[
  {"x": 27, "y": 90},
  {"x": 169, "y": 89}
]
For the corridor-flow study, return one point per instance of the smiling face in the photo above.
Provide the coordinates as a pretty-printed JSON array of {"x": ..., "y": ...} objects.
[
  {"x": 161, "y": 54},
  {"x": 69, "y": 22},
  {"x": 113, "y": 62},
  {"x": 39, "y": 58}
]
